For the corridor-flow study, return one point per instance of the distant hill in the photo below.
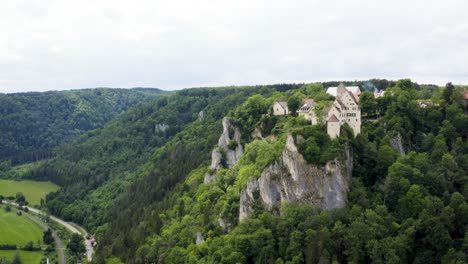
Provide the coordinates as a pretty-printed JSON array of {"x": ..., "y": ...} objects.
[{"x": 32, "y": 123}]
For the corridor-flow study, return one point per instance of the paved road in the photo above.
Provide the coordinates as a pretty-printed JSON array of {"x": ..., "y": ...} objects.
[
  {"x": 57, "y": 240},
  {"x": 74, "y": 228}
]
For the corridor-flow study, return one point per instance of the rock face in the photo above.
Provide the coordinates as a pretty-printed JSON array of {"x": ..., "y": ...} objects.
[
  {"x": 201, "y": 115},
  {"x": 161, "y": 127},
  {"x": 397, "y": 143},
  {"x": 199, "y": 239},
  {"x": 257, "y": 133},
  {"x": 292, "y": 179},
  {"x": 225, "y": 150}
]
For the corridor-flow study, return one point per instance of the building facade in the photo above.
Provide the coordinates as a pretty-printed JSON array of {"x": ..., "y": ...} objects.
[
  {"x": 345, "y": 109},
  {"x": 280, "y": 108}
]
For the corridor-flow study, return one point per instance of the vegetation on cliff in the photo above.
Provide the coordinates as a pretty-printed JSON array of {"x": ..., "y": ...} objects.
[{"x": 138, "y": 183}]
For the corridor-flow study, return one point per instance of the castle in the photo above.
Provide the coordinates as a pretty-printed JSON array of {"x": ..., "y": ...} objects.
[{"x": 345, "y": 109}]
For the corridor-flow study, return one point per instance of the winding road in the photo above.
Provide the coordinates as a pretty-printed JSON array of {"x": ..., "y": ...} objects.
[
  {"x": 74, "y": 228},
  {"x": 57, "y": 240}
]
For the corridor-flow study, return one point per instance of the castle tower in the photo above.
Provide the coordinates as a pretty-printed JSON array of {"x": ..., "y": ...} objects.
[{"x": 340, "y": 90}]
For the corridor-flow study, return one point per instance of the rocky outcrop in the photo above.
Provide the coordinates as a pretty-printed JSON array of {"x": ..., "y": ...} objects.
[
  {"x": 396, "y": 142},
  {"x": 292, "y": 179},
  {"x": 225, "y": 224},
  {"x": 161, "y": 127},
  {"x": 256, "y": 134},
  {"x": 200, "y": 238},
  {"x": 201, "y": 115},
  {"x": 228, "y": 151}
]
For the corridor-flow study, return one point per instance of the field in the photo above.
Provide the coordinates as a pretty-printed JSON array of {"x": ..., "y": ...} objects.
[
  {"x": 17, "y": 229},
  {"x": 33, "y": 257},
  {"x": 32, "y": 190}
]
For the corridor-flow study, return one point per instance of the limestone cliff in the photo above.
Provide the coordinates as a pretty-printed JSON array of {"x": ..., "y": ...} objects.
[
  {"x": 226, "y": 152},
  {"x": 397, "y": 143},
  {"x": 292, "y": 179}
]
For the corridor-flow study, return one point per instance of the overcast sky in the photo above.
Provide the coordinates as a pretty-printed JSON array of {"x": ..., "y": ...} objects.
[{"x": 58, "y": 44}]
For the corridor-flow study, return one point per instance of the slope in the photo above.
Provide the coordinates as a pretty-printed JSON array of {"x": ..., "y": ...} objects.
[
  {"x": 402, "y": 207},
  {"x": 100, "y": 165},
  {"x": 31, "y": 124}
]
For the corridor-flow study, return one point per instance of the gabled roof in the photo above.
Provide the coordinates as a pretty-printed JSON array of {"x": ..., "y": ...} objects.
[
  {"x": 307, "y": 104},
  {"x": 379, "y": 94},
  {"x": 333, "y": 118},
  {"x": 340, "y": 103},
  {"x": 284, "y": 105},
  {"x": 354, "y": 96},
  {"x": 352, "y": 89}
]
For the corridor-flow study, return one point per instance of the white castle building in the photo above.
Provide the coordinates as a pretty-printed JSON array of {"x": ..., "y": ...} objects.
[{"x": 345, "y": 109}]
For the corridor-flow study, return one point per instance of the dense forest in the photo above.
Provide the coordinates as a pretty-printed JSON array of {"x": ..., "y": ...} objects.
[
  {"x": 31, "y": 124},
  {"x": 405, "y": 207},
  {"x": 139, "y": 183}
]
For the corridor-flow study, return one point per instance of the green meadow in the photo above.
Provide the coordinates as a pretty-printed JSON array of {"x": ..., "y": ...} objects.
[
  {"x": 15, "y": 229},
  {"x": 32, "y": 190},
  {"x": 33, "y": 257}
]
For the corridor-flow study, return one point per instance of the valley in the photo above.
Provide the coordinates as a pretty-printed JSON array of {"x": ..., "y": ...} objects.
[{"x": 223, "y": 175}]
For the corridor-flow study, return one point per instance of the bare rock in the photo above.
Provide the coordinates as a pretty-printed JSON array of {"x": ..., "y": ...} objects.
[
  {"x": 396, "y": 142},
  {"x": 200, "y": 238},
  {"x": 232, "y": 156},
  {"x": 292, "y": 179}
]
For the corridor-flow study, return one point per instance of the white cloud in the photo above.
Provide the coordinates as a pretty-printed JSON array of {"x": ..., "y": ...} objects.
[{"x": 51, "y": 44}]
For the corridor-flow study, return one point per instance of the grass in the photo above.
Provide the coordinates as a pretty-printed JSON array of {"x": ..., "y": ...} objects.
[
  {"x": 17, "y": 229},
  {"x": 33, "y": 257},
  {"x": 32, "y": 190}
]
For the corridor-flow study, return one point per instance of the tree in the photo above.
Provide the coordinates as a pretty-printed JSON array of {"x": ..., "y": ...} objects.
[
  {"x": 412, "y": 203},
  {"x": 447, "y": 92},
  {"x": 293, "y": 103},
  {"x": 368, "y": 103},
  {"x": 20, "y": 199},
  {"x": 17, "y": 259},
  {"x": 29, "y": 246},
  {"x": 76, "y": 244},
  {"x": 48, "y": 237}
]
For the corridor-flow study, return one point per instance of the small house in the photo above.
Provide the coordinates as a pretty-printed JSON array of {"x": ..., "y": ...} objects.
[{"x": 280, "y": 108}]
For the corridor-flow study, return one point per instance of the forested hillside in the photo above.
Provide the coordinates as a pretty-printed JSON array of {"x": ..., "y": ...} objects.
[
  {"x": 161, "y": 135},
  {"x": 31, "y": 124},
  {"x": 143, "y": 183},
  {"x": 406, "y": 203}
]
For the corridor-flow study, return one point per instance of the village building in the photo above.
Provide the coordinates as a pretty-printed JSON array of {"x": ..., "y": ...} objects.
[
  {"x": 345, "y": 109},
  {"x": 352, "y": 89},
  {"x": 307, "y": 110},
  {"x": 424, "y": 104},
  {"x": 379, "y": 94},
  {"x": 280, "y": 108}
]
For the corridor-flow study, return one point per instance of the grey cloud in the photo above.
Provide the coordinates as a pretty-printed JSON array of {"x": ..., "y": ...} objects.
[{"x": 175, "y": 44}]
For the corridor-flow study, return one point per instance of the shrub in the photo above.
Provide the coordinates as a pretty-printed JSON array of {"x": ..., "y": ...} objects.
[{"x": 232, "y": 145}]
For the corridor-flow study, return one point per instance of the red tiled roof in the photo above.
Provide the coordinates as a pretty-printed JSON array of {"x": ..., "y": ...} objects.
[{"x": 333, "y": 118}]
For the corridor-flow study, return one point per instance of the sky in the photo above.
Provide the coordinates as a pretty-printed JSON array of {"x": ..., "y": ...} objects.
[{"x": 62, "y": 44}]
